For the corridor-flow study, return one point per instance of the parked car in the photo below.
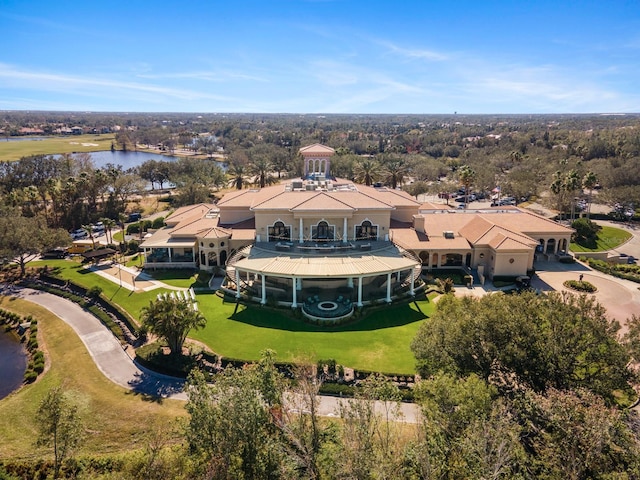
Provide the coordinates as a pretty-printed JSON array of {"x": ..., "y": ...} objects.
[
  {"x": 134, "y": 217},
  {"x": 55, "y": 253},
  {"x": 79, "y": 233},
  {"x": 98, "y": 228}
]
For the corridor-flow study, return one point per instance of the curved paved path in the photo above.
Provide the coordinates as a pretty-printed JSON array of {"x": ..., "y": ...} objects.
[
  {"x": 104, "y": 348},
  {"x": 115, "y": 364}
]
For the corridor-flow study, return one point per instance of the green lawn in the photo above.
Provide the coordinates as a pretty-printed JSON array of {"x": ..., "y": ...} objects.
[
  {"x": 608, "y": 238},
  {"x": 117, "y": 420},
  {"x": 53, "y": 145},
  {"x": 380, "y": 341}
]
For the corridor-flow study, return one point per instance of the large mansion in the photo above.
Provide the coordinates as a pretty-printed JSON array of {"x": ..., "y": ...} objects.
[{"x": 295, "y": 241}]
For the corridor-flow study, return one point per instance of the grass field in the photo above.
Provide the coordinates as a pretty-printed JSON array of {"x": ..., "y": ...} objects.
[
  {"x": 116, "y": 419},
  {"x": 608, "y": 238},
  {"x": 380, "y": 341},
  {"x": 52, "y": 145}
]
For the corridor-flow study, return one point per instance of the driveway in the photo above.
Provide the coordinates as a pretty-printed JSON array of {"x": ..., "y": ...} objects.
[{"x": 620, "y": 297}]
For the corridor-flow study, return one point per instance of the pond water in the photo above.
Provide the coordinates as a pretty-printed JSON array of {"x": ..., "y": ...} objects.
[
  {"x": 127, "y": 159},
  {"x": 13, "y": 363}
]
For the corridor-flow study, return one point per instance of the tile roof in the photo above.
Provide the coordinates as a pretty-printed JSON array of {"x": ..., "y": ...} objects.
[
  {"x": 190, "y": 213},
  {"x": 262, "y": 261},
  {"x": 317, "y": 149}
]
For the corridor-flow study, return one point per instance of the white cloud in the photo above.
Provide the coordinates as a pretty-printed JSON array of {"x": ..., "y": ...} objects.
[
  {"x": 413, "y": 53},
  {"x": 12, "y": 77}
]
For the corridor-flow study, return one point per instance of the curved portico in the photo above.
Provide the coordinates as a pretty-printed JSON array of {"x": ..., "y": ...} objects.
[{"x": 331, "y": 271}]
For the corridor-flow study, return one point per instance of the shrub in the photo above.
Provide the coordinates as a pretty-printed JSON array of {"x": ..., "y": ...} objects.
[
  {"x": 337, "y": 389},
  {"x": 133, "y": 247},
  {"x": 30, "y": 376},
  {"x": 95, "y": 291},
  {"x": 158, "y": 223},
  {"x": 567, "y": 259},
  {"x": 586, "y": 232},
  {"x": 580, "y": 286}
]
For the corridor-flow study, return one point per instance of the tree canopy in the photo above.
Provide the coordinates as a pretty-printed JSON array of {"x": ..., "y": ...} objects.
[
  {"x": 557, "y": 341},
  {"x": 172, "y": 319}
]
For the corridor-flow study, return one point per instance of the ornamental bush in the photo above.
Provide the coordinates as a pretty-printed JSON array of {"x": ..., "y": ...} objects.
[{"x": 580, "y": 286}]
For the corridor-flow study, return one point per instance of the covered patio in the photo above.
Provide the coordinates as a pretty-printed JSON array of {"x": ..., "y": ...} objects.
[{"x": 314, "y": 280}]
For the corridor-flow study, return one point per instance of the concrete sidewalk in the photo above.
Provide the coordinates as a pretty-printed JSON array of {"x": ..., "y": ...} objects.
[{"x": 106, "y": 351}]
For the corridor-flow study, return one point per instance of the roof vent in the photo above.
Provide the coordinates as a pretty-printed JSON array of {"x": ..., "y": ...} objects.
[{"x": 448, "y": 234}]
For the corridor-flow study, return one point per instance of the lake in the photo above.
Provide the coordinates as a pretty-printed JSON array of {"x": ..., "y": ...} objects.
[
  {"x": 127, "y": 159},
  {"x": 13, "y": 363}
]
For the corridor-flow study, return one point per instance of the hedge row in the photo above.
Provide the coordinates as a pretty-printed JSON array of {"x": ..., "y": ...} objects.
[
  {"x": 620, "y": 270},
  {"x": 122, "y": 315},
  {"x": 88, "y": 305}
]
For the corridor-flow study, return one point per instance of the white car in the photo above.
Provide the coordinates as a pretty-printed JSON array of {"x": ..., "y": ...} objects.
[{"x": 78, "y": 234}]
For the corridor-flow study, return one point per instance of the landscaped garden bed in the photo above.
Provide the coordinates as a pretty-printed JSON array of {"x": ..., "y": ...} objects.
[
  {"x": 580, "y": 286},
  {"x": 621, "y": 270}
]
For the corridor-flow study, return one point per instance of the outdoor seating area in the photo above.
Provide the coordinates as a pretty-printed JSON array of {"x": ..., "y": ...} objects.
[
  {"x": 320, "y": 247},
  {"x": 181, "y": 295},
  {"x": 317, "y": 309}
]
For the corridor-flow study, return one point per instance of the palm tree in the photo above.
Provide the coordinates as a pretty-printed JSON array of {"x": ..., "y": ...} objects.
[
  {"x": 367, "y": 171},
  {"x": 172, "y": 319},
  {"x": 467, "y": 176},
  {"x": 572, "y": 183},
  {"x": 557, "y": 188},
  {"x": 89, "y": 230},
  {"x": 108, "y": 226},
  {"x": 261, "y": 168},
  {"x": 122, "y": 217},
  {"x": 237, "y": 173},
  {"x": 589, "y": 181},
  {"x": 394, "y": 169}
]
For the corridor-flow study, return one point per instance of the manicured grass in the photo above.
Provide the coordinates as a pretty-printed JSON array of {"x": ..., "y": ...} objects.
[
  {"x": 116, "y": 419},
  {"x": 380, "y": 341},
  {"x": 608, "y": 238},
  {"x": 53, "y": 145},
  {"x": 76, "y": 272},
  {"x": 178, "y": 278}
]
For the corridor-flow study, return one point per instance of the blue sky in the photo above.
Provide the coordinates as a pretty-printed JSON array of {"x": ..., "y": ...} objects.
[{"x": 321, "y": 56}]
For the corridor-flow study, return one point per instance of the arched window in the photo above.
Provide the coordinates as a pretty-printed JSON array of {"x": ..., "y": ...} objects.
[
  {"x": 322, "y": 231},
  {"x": 279, "y": 232},
  {"x": 452, "y": 260},
  {"x": 212, "y": 259},
  {"x": 366, "y": 231}
]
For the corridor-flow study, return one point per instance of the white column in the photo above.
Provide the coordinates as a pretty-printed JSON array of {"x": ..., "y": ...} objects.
[
  {"x": 170, "y": 250},
  {"x": 294, "y": 304},
  {"x": 344, "y": 230},
  {"x": 350, "y": 282},
  {"x": 264, "y": 290},
  {"x": 359, "y": 291},
  {"x": 237, "y": 283},
  {"x": 301, "y": 230},
  {"x": 413, "y": 279},
  {"x": 389, "y": 287}
]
